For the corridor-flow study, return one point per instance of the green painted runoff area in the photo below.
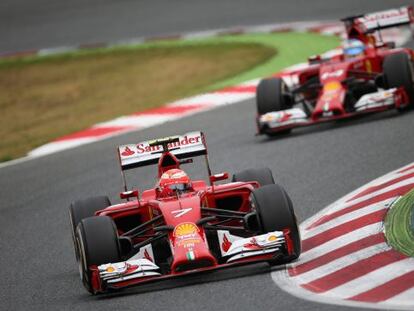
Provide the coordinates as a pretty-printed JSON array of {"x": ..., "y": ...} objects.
[{"x": 398, "y": 225}]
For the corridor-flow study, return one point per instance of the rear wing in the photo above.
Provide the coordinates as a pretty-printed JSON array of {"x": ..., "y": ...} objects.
[
  {"x": 149, "y": 152},
  {"x": 380, "y": 20}
]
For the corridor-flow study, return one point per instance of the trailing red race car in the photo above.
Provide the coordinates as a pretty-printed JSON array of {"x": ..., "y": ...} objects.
[
  {"x": 366, "y": 75},
  {"x": 181, "y": 226}
]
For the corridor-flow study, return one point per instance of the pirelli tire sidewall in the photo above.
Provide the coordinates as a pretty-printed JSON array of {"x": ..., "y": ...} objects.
[
  {"x": 398, "y": 70},
  {"x": 98, "y": 244},
  {"x": 81, "y": 209},
  {"x": 275, "y": 212}
]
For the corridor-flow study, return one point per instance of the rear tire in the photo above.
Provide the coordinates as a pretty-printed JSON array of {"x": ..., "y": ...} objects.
[
  {"x": 275, "y": 212},
  {"x": 262, "y": 175},
  {"x": 81, "y": 209},
  {"x": 270, "y": 96},
  {"x": 399, "y": 72},
  {"x": 98, "y": 244}
]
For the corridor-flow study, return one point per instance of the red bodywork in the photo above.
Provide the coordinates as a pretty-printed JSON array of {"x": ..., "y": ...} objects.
[
  {"x": 182, "y": 219},
  {"x": 324, "y": 84}
]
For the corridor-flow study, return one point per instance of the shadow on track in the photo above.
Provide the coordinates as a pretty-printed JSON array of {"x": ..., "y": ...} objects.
[{"x": 337, "y": 125}]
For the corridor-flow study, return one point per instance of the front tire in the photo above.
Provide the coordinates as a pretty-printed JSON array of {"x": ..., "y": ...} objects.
[
  {"x": 399, "y": 72},
  {"x": 98, "y": 244},
  {"x": 275, "y": 212},
  {"x": 271, "y": 96},
  {"x": 81, "y": 209}
]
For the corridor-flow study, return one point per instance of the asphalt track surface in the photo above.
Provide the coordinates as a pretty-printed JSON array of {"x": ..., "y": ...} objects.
[
  {"x": 316, "y": 165},
  {"x": 26, "y": 24}
]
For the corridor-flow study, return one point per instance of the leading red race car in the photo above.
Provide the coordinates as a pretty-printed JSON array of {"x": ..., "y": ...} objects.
[
  {"x": 181, "y": 226},
  {"x": 366, "y": 75}
]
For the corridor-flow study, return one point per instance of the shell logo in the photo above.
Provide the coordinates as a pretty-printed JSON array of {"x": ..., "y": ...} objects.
[
  {"x": 332, "y": 86},
  {"x": 272, "y": 238},
  {"x": 185, "y": 228}
]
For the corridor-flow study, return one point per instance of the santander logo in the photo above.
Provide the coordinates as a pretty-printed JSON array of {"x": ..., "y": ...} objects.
[
  {"x": 127, "y": 152},
  {"x": 184, "y": 141}
]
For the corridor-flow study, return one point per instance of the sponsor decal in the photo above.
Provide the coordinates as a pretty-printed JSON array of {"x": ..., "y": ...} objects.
[
  {"x": 384, "y": 15},
  {"x": 226, "y": 244},
  {"x": 189, "y": 243},
  {"x": 332, "y": 86},
  {"x": 285, "y": 117},
  {"x": 181, "y": 212},
  {"x": 330, "y": 90},
  {"x": 187, "y": 234},
  {"x": 127, "y": 152},
  {"x": 148, "y": 256},
  {"x": 175, "y": 175},
  {"x": 185, "y": 229},
  {"x": 190, "y": 255},
  {"x": 252, "y": 244},
  {"x": 334, "y": 74},
  {"x": 272, "y": 238},
  {"x": 185, "y": 141}
]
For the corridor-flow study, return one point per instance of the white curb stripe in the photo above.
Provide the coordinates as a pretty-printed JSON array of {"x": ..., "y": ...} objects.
[
  {"x": 348, "y": 217},
  {"x": 372, "y": 279},
  {"x": 339, "y": 263},
  {"x": 350, "y": 287},
  {"x": 340, "y": 241}
]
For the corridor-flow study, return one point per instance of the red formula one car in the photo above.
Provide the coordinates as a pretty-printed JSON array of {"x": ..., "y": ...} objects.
[
  {"x": 181, "y": 226},
  {"x": 365, "y": 75}
]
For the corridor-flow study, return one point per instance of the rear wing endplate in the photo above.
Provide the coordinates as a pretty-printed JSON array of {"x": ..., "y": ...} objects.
[{"x": 149, "y": 152}]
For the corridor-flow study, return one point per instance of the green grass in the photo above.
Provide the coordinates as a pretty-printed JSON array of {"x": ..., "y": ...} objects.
[
  {"x": 398, "y": 227},
  {"x": 292, "y": 48},
  {"x": 43, "y": 98}
]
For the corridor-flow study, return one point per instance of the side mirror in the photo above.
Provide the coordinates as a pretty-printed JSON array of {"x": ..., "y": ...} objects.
[
  {"x": 129, "y": 194},
  {"x": 314, "y": 59},
  {"x": 218, "y": 177},
  {"x": 186, "y": 161}
]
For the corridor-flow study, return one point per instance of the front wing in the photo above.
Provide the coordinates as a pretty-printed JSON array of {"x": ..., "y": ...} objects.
[
  {"x": 278, "y": 121},
  {"x": 234, "y": 251}
]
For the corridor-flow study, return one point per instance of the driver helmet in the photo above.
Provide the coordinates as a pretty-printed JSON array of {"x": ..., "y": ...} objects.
[
  {"x": 174, "y": 181},
  {"x": 353, "y": 48}
]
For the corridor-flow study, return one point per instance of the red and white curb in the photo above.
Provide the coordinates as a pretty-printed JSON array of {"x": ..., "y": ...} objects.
[
  {"x": 142, "y": 120},
  {"x": 345, "y": 258},
  {"x": 188, "y": 106}
]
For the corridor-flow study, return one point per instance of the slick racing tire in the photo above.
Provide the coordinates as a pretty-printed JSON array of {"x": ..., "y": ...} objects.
[
  {"x": 263, "y": 176},
  {"x": 275, "y": 212},
  {"x": 270, "y": 96},
  {"x": 98, "y": 244},
  {"x": 81, "y": 209},
  {"x": 399, "y": 72}
]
